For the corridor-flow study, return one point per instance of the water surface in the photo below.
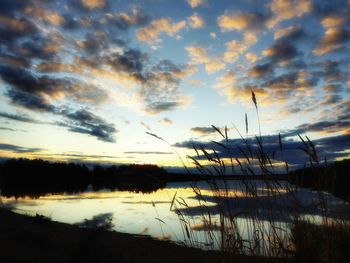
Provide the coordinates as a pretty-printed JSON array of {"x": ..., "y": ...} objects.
[{"x": 152, "y": 214}]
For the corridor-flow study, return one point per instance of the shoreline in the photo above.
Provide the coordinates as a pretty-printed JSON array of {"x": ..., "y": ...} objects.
[{"x": 26, "y": 238}]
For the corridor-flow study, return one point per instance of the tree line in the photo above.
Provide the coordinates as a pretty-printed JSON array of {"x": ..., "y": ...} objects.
[
  {"x": 333, "y": 178},
  {"x": 24, "y": 177}
]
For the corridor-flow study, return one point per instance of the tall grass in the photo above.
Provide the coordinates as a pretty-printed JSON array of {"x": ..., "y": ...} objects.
[{"x": 272, "y": 221}]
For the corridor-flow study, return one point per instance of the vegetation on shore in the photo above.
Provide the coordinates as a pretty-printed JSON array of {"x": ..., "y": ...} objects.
[
  {"x": 24, "y": 177},
  {"x": 333, "y": 178}
]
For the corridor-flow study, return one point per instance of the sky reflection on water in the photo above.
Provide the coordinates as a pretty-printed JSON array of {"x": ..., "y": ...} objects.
[{"x": 150, "y": 214}]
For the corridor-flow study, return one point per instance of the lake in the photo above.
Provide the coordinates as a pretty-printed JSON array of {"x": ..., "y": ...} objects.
[{"x": 154, "y": 213}]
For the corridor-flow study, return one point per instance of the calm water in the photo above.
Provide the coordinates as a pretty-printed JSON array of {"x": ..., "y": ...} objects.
[{"x": 150, "y": 214}]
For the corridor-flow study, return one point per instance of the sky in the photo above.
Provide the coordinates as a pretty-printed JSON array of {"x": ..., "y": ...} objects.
[{"x": 86, "y": 80}]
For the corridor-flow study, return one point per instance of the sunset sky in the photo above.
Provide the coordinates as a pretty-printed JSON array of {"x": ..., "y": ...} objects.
[{"x": 84, "y": 80}]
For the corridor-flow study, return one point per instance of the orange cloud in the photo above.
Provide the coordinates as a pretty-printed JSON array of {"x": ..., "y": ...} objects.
[
  {"x": 196, "y": 21},
  {"x": 288, "y": 9},
  {"x": 46, "y": 15},
  {"x": 93, "y": 4},
  {"x": 151, "y": 33},
  {"x": 195, "y": 3}
]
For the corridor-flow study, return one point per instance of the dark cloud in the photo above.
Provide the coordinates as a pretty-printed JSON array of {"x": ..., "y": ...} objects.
[
  {"x": 24, "y": 81},
  {"x": 165, "y": 121},
  {"x": 13, "y": 29},
  {"x": 332, "y": 88},
  {"x": 70, "y": 23},
  {"x": 130, "y": 61},
  {"x": 334, "y": 39},
  {"x": 331, "y": 99},
  {"x": 160, "y": 87},
  {"x": 8, "y": 6},
  {"x": 325, "y": 126},
  {"x": 325, "y": 8},
  {"x": 281, "y": 51},
  {"x": 97, "y": 50},
  {"x": 10, "y": 129},
  {"x": 332, "y": 70},
  {"x": 80, "y": 121},
  {"x": 29, "y": 101},
  {"x": 13, "y": 61},
  {"x": 203, "y": 130},
  {"x": 154, "y": 107},
  {"x": 282, "y": 82},
  {"x": 83, "y": 121},
  {"x": 18, "y": 149},
  {"x": 125, "y": 20},
  {"x": 261, "y": 70},
  {"x": 331, "y": 147},
  {"x": 18, "y": 117},
  {"x": 291, "y": 34}
]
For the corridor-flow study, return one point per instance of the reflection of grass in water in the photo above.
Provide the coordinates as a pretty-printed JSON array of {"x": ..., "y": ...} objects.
[
  {"x": 222, "y": 228},
  {"x": 101, "y": 221}
]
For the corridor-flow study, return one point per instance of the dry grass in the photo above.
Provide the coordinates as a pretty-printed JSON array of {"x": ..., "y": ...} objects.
[{"x": 258, "y": 230}]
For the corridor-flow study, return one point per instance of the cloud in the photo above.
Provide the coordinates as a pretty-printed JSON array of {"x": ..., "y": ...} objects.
[
  {"x": 333, "y": 39},
  {"x": 160, "y": 91},
  {"x": 332, "y": 147},
  {"x": 332, "y": 70},
  {"x": 196, "y": 3},
  {"x": 18, "y": 149},
  {"x": 214, "y": 65},
  {"x": 30, "y": 101},
  {"x": 288, "y": 9},
  {"x": 10, "y": 129},
  {"x": 151, "y": 33},
  {"x": 227, "y": 85},
  {"x": 203, "y": 130},
  {"x": 165, "y": 121},
  {"x": 281, "y": 51},
  {"x": 261, "y": 70},
  {"x": 145, "y": 125},
  {"x": 234, "y": 47},
  {"x": 242, "y": 21},
  {"x": 332, "y": 21},
  {"x": 13, "y": 61},
  {"x": 125, "y": 20},
  {"x": 81, "y": 121},
  {"x": 327, "y": 126},
  {"x": 291, "y": 33},
  {"x": 251, "y": 57},
  {"x": 93, "y": 4},
  {"x": 85, "y": 122},
  {"x": 332, "y": 88},
  {"x": 18, "y": 117},
  {"x": 15, "y": 28},
  {"x": 37, "y": 93},
  {"x": 199, "y": 55},
  {"x": 196, "y": 21},
  {"x": 45, "y": 15}
]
